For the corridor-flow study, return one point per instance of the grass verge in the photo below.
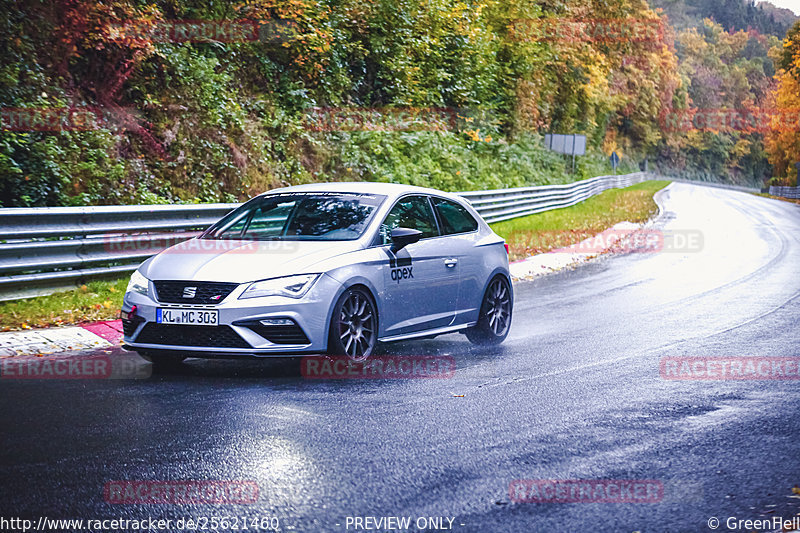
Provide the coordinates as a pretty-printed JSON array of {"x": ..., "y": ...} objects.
[
  {"x": 542, "y": 232},
  {"x": 101, "y": 300},
  {"x": 98, "y": 300},
  {"x": 765, "y": 195}
]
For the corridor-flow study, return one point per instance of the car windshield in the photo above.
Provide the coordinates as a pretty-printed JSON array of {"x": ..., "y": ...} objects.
[{"x": 298, "y": 216}]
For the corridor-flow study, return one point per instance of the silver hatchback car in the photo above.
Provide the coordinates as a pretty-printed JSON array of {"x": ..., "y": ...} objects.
[{"x": 323, "y": 268}]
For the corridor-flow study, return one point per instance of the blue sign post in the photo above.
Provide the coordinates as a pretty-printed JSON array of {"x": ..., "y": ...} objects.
[{"x": 614, "y": 161}]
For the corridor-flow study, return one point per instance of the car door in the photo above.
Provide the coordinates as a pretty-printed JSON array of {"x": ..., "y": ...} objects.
[
  {"x": 420, "y": 290},
  {"x": 460, "y": 229}
]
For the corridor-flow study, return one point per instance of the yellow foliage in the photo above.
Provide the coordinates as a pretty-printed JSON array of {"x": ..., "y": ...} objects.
[{"x": 782, "y": 141}]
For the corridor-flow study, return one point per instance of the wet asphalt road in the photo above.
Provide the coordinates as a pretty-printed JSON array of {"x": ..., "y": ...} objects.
[{"x": 574, "y": 393}]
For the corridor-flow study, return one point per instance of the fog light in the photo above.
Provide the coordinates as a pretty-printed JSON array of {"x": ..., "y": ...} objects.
[
  {"x": 127, "y": 315},
  {"x": 277, "y": 322}
]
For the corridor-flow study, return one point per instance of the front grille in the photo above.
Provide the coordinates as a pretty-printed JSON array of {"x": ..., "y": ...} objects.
[
  {"x": 193, "y": 292},
  {"x": 182, "y": 335}
]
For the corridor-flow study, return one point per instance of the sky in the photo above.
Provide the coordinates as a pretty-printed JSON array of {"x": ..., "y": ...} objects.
[{"x": 794, "y": 5}]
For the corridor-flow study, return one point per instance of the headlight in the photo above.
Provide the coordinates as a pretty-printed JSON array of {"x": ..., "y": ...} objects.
[
  {"x": 138, "y": 283},
  {"x": 291, "y": 286}
]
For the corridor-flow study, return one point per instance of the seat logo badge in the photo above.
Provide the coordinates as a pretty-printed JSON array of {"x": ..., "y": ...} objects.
[{"x": 189, "y": 292}]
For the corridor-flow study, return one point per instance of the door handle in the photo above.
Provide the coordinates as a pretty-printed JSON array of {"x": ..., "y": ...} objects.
[{"x": 450, "y": 263}]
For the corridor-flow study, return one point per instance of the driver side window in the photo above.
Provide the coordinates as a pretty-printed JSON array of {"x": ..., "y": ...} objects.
[{"x": 412, "y": 212}]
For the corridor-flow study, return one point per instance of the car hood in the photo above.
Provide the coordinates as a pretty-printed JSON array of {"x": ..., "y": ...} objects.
[{"x": 241, "y": 261}]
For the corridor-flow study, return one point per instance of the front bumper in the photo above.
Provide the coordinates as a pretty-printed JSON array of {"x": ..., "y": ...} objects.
[{"x": 239, "y": 330}]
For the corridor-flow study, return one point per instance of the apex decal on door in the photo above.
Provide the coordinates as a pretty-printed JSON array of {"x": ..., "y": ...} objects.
[
  {"x": 401, "y": 267},
  {"x": 402, "y": 273}
]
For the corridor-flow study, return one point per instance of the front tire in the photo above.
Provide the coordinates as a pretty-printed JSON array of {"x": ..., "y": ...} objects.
[
  {"x": 494, "y": 320},
  {"x": 354, "y": 325}
]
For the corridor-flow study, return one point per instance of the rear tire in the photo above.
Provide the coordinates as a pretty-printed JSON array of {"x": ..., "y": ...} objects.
[
  {"x": 354, "y": 325},
  {"x": 494, "y": 320}
]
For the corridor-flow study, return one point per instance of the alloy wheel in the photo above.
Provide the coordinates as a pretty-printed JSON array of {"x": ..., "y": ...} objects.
[{"x": 357, "y": 325}]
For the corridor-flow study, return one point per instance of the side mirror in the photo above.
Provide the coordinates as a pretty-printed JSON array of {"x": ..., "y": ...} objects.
[{"x": 402, "y": 237}]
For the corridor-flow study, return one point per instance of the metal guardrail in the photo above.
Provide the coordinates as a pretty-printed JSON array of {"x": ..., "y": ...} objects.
[
  {"x": 50, "y": 248},
  {"x": 504, "y": 204},
  {"x": 785, "y": 192}
]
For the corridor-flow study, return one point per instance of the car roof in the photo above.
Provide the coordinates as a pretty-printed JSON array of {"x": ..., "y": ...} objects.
[{"x": 392, "y": 190}]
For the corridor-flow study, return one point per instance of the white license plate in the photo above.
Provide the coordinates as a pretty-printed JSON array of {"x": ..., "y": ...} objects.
[{"x": 197, "y": 317}]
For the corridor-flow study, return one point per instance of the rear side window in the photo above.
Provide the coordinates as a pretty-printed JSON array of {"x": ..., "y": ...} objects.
[{"x": 454, "y": 217}]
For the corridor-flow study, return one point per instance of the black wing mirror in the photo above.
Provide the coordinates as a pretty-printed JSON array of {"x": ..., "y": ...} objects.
[{"x": 402, "y": 237}]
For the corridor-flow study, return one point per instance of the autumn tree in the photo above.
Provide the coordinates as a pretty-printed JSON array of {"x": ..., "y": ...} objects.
[{"x": 783, "y": 138}]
